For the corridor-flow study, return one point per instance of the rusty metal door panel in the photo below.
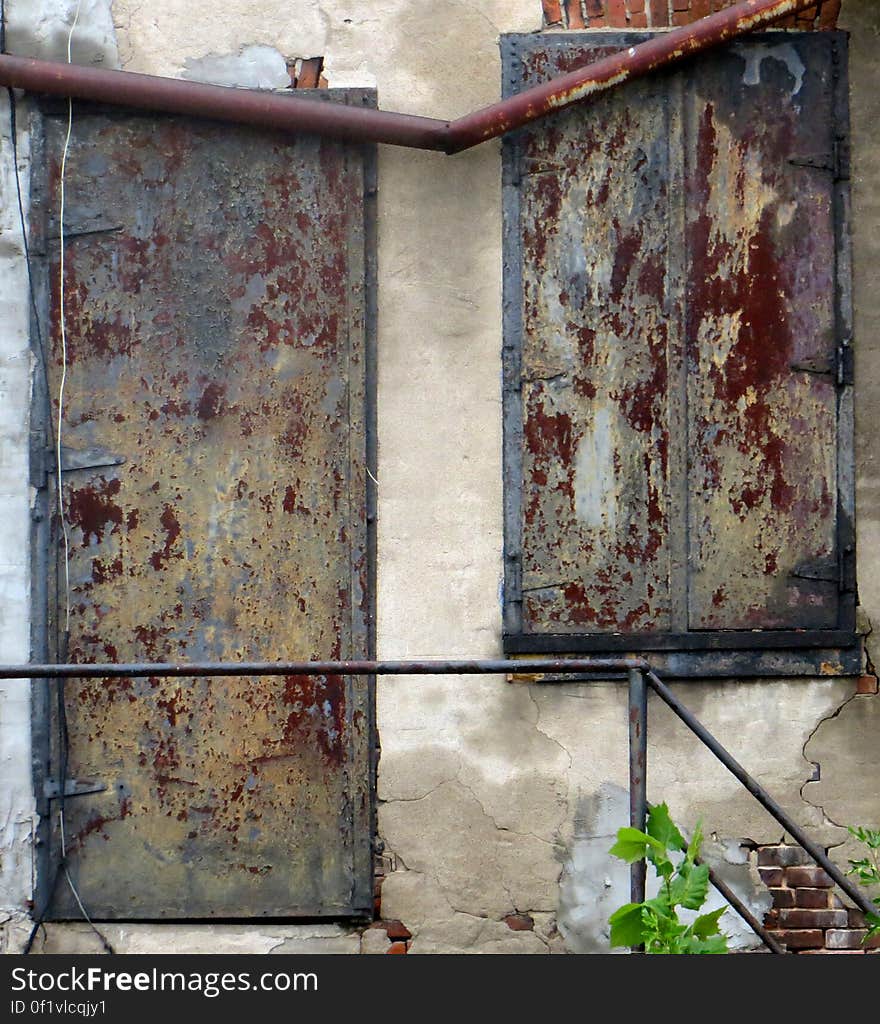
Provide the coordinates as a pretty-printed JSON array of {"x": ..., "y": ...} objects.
[
  {"x": 678, "y": 428},
  {"x": 761, "y": 337},
  {"x": 598, "y": 323},
  {"x": 216, "y": 398}
]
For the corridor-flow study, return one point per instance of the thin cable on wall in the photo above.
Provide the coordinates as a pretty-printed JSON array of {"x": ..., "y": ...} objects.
[
  {"x": 63, "y": 742},
  {"x": 62, "y": 315}
]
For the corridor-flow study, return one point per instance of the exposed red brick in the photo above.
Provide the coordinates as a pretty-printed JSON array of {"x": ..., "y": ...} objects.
[
  {"x": 828, "y": 16},
  {"x": 812, "y": 899},
  {"x": 309, "y": 72},
  {"x": 680, "y": 18},
  {"x": 594, "y": 8},
  {"x": 785, "y": 897},
  {"x": 844, "y": 938},
  {"x": 813, "y": 918},
  {"x": 598, "y": 23},
  {"x": 397, "y": 947},
  {"x": 782, "y": 856},
  {"x": 680, "y": 5},
  {"x": 638, "y": 20},
  {"x": 799, "y": 938},
  {"x": 700, "y": 9},
  {"x": 552, "y": 12},
  {"x": 867, "y": 685},
  {"x": 811, "y": 877},
  {"x": 574, "y": 16},
  {"x": 773, "y": 877},
  {"x": 832, "y": 952},
  {"x": 635, "y": 6},
  {"x": 615, "y": 13},
  {"x": 397, "y": 930},
  {"x": 771, "y": 919},
  {"x": 519, "y": 922},
  {"x": 659, "y": 10}
]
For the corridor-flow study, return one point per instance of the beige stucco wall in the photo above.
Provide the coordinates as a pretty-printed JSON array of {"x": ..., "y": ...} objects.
[{"x": 498, "y": 798}]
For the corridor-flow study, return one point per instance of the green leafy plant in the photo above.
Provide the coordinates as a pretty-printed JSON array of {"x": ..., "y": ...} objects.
[
  {"x": 867, "y": 870},
  {"x": 655, "y": 924}
]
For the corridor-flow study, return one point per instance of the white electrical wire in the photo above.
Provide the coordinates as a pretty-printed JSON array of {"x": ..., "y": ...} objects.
[
  {"x": 63, "y": 326},
  {"x": 59, "y": 489}
]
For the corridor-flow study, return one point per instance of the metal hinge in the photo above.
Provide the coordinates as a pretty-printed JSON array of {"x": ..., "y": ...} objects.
[
  {"x": 824, "y": 570},
  {"x": 73, "y": 459},
  {"x": 837, "y": 162},
  {"x": 72, "y": 787},
  {"x": 841, "y": 366}
]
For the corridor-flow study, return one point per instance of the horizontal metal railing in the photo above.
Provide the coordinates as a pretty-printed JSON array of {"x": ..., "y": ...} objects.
[{"x": 641, "y": 677}]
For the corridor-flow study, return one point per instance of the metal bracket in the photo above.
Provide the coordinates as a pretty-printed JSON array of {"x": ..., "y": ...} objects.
[
  {"x": 837, "y": 162},
  {"x": 823, "y": 570},
  {"x": 72, "y": 787},
  {"x": 73, "y": 459}
]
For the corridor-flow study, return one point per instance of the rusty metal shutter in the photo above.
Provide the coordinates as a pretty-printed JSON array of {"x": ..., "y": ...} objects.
[
  {"x": 678, "y": 408},
  {"x": 216, "y": 420}
]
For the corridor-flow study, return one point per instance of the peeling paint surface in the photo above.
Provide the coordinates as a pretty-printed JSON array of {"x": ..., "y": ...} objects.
[
  {"x": 596, "y": 337},
  {"x": 215, "y": 337},
  {"x": 761, "y": 335},
  {"x": 678, "y": 381}
]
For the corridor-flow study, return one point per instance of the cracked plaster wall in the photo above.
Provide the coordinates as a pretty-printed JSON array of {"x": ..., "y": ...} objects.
[{"x": 495, "y": 798}]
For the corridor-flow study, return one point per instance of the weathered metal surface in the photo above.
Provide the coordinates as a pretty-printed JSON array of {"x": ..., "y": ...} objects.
[
  {"x": 596, "y": 332},
  {"x": 630, "y": 60},
  {"x": 637, "y": 708},
  {"x": 264, "y": 108},
  {"x": 195, "y": 670},
  {"x": 762, "y": 337},
  {"x": 217, "y": 343},
  {"x": 671, "y": 385}
]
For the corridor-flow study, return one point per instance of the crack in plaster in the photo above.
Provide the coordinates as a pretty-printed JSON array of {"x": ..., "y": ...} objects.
[
  {"x": 816, "y": 765},
  {"x": 501, "y": 828},
  {"x": 537, "y": 724},
  {"x": 424, "y": 796}
]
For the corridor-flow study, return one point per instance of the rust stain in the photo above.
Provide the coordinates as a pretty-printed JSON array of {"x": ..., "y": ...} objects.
[
  {"x": 618, "y": 309},
  {"x": 217, "y": 344}
]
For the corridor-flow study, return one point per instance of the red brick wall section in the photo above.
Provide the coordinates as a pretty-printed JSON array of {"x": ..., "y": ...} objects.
[
  {"x": 580, "y": 14},
  {"x": 806, "y": 915}
]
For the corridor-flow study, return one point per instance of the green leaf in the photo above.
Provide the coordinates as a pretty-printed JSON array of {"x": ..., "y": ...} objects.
[
  {"x": 867, "y": 836},
  {"x": 707, "y": 924},
  {"x": 627, "y": 928},
  {"x": 662, "y": 828},
  {"x": 715, "y": 944},
  {"x": 691, "y": 886},
  {"x": 693, "y": 850},
  {"x": 632, "y": 844}
]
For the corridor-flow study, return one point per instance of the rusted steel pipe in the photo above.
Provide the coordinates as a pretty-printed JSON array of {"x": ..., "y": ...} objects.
[
  {"x": 759, "y": 793},
  {"x": 357, "y": 124},
  {"x": 663, "y": 50},
  {"x": 737, "y": 904},
  {"x": 320, "y": 668},
  {"x": 638, "y": 766},
  {"x": 283, "y": 112}
]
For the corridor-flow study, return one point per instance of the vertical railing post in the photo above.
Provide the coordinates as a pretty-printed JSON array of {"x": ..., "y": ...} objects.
[{"x": 638, "y": 766}]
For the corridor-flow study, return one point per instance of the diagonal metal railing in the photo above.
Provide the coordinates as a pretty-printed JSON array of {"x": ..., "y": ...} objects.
[{"x": 641, "y": 678}]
